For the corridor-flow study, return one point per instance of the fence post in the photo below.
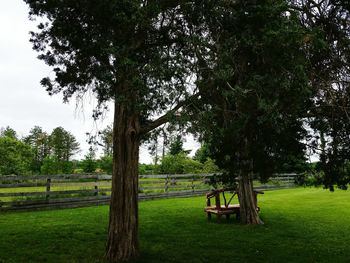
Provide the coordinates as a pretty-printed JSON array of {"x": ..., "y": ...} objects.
[
  {"x": 96, "y": 186},
  {"x": 193, "y": 183},
  {"x": 167, "y": 183},
  {"x": 48, "y": 188}
]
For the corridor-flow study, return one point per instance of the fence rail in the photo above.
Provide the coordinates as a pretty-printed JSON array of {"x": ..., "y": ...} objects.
[{"x": 60, "y": 191}]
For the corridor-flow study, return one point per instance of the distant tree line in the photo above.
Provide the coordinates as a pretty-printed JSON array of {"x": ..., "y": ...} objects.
[
  {"x": 38, "y": 152},
  {"x": 41, "y": 152}
]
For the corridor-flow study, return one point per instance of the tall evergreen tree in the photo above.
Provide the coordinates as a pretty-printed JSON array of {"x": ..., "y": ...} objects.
[
  {"x": 255, "y": 91},
  {"x": 63, "y": 144},
  {"x": 39, "y": 141},
  {"x": 133, "y": 52}
]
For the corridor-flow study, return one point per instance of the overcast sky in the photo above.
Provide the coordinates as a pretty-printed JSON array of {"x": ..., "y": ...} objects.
[{"x": 24, "y": 103}]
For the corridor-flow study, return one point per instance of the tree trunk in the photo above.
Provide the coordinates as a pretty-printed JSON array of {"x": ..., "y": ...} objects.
[
  {"x": 122, "y": 243},
  {"x": 247, "y": 198}
]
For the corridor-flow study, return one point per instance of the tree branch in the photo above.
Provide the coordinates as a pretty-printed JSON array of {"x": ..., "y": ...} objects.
[{"x": 149, "y": 126}]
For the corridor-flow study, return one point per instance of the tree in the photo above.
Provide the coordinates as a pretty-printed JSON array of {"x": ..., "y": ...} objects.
[
  {"x": 8, "y": 132},
  {"x": 135, "y": 53},
  {"x": 106, "y": 136},
  {"x": 203, "y": 153},
  {"x": 330, "y": 70},
  {"x": 163, "y": 139},
  {"x": 16, "y": 157},
  {"x": 255, "y": 92},
  {"x": 154, "y": 143},
  {"x": 89, "y": 163},
  {"x": 176, "y": 146},
  {"x": 39, "y": 141},
  {"x": 63, "y": 144}
]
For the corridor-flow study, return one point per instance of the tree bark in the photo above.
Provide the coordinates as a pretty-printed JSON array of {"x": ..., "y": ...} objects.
[
  {"x": 247, "y": 199},
  {"x": 122, "y": 243}
]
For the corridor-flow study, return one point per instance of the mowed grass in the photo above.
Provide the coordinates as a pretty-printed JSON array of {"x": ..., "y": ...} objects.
[{"x": 301, "y": 225}]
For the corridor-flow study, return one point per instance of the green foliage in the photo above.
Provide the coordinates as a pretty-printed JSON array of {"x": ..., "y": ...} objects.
[
  {"x": 148, "y": 169},
  {"x": 129, "y": 47},
  {"x": 316, "y": 175},
  {"x": 209, "y": 166},
  {"x": 182, "y": 164},
  {"x": 89, "y": 164},
  {"x": 329, "y": 49},
  {"x": 176, "y": 146},
  {"x": 40, "y": 143},
  {"x": 15, "y": 156},
  {"x": 106, "y": 164},
  {"x": 257, "y": 90},
  {"x": 52, "y": 165},
  {"x": 202, "y": 154},
  {"x": 63, "y": 144},
  {"x": 8, "y": 132},
  {"x": 106, "y": 137},
  {"x": 178, "y": 164}
]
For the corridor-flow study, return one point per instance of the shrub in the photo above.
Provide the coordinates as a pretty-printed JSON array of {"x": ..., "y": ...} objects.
[{"x": 179, "y": 164}]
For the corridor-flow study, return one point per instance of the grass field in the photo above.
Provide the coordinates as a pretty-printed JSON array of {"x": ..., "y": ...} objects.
[{"x": 301, "y": 225}]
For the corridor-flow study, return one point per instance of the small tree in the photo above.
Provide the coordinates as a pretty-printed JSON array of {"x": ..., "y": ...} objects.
[
  {"x": 203, "y": 153},
  {"x": 89, "y": 163},
  {"x": 176, "y": 146}
]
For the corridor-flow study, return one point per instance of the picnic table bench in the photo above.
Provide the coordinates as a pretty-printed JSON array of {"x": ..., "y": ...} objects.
[{"x": 226, "y": 208}]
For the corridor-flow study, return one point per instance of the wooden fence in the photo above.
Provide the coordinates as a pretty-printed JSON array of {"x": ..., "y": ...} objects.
[{"x": 60, "y": 191}]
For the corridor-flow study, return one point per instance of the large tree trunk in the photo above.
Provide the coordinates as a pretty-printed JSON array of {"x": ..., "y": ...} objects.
[
  {"x": 247, "y": 201},
  {"x": 122, "y": 241},
  {"x": 247, "y": 198}
]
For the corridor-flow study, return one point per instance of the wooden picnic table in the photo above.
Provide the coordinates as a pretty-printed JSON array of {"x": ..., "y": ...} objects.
[{"x": 226, "y": 208}]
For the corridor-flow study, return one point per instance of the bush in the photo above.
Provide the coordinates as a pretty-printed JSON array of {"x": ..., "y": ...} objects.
[
  {"x": 148, "y": 169},
  {"x": 179, "y": 164},
  {"x": 52, "y": 166},
  {"x": 313, "y": 178},
  {"x": 88, "y": 165},
  {"x": 209, "y": 166},
  {"x": 106, "y": 164}
]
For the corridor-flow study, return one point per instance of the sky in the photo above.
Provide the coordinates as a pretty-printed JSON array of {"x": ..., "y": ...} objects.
[{"x": 24, "y": 103}]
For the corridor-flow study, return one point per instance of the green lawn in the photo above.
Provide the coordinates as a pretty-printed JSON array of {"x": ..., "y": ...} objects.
[{"x": 301, "y": 225}]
